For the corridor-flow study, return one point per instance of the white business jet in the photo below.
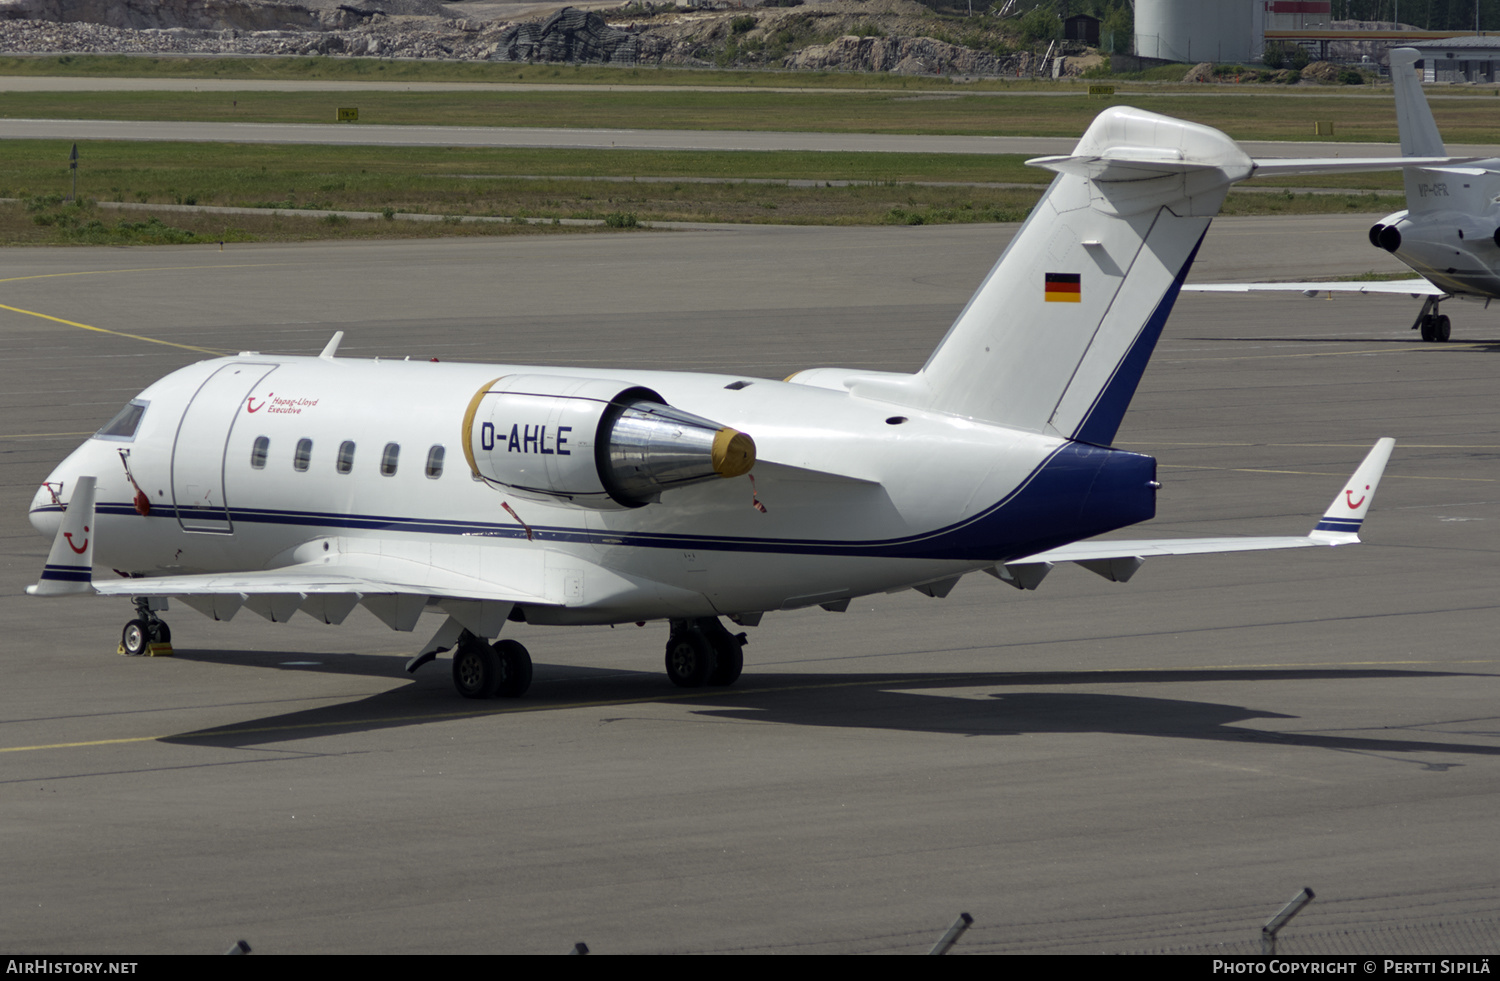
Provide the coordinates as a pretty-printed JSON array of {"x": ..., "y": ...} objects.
[
  {"x": 1449, "y": 232},
  {"x": 489, "y": 493}
]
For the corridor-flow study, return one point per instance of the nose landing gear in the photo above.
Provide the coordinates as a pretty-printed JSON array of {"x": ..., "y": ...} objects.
[{"x": 146, "y": 635}]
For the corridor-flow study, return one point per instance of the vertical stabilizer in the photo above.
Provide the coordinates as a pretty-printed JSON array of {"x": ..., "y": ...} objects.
[
  {"x": 1419, "y": 132},
  {"x": 1059, "y": 333}
]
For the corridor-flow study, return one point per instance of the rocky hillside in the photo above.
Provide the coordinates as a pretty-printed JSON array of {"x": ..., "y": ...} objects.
[{"x": 841, "y": 35}]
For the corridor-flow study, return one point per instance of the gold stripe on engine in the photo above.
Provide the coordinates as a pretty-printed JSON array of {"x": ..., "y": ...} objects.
[{"x": 468, "y": 430}]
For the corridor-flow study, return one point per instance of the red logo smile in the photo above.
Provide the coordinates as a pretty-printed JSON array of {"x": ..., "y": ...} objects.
[
  {"x": 250, "y": 405},
  {"x": 77, "y": 549},
  {"x": 1349, "y": 496}
]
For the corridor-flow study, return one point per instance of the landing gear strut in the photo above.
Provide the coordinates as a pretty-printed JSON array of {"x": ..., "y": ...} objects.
[
  {"x": 483, "y": 670},
  {"x": 701, "y": 652},
  {"x": 146, "y": 629},
  {"x": 1434, "y": 326}
]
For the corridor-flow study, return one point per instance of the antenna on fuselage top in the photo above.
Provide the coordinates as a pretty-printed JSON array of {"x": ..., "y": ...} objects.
[{"x": 332, "y": 347}]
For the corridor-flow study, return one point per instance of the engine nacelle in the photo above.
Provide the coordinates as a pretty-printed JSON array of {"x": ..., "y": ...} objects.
[
  {"x": 1384, "y": 234},
  {"x": 593, "y": 443}
]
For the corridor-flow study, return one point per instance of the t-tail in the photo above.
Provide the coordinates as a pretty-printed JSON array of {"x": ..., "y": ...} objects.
[
  {"x": 1058, "y": 335},
  {"x": 1419, "y": 134}
]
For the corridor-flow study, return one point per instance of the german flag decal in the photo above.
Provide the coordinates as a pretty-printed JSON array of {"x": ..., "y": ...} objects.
[{"x": 1064, "y": 288}]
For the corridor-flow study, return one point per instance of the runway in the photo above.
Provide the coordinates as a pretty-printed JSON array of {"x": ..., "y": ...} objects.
[{"x": 1093, "y": 767}]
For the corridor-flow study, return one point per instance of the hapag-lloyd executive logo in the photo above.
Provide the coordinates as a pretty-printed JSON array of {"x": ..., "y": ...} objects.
[{"x": 272, "y": 403}]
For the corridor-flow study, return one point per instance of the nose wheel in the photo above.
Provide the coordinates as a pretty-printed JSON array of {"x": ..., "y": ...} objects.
[{"x": 147, "y": 634}]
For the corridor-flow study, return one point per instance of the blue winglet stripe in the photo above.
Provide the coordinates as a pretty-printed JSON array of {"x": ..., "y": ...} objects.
[
  {"x": 1339, "y": 524},
  {"x": 68, "y": 573}
]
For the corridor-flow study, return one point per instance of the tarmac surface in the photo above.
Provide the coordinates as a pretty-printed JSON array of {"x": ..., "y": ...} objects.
[{"x": 1092, "y": 767}]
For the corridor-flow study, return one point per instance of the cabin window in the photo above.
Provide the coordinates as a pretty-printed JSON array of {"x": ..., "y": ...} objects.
[
  {"x": 388, "y": 459},
  {"x": 435, "y": 462},
  {"x": 346, "y": 456},
  {"x": 303, "y": 456},
  {"x": 123, "y": 426},
  {"x": 258, "y": 452}
]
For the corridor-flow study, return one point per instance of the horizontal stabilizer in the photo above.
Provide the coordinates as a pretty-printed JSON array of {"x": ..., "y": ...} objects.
[
  {"x": 1312, "y": 166},
  {"x": 1405, "y": 287},
  {"x": 1338, "y": 526}
]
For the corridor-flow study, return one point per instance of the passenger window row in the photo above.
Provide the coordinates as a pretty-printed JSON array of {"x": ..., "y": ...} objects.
[{"x": 344, "y": 462}]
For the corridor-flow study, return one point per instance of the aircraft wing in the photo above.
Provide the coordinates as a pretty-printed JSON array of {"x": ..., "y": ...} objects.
[
  {"x": 365, "y": 574},
  {"x": 1406, "y": 287},
  {"x": 396, "y": 590},
  {"x": 1118, "y": 559}
]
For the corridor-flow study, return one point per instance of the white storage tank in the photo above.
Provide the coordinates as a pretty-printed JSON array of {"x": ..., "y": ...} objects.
[{"x": 1200, "y": 30}]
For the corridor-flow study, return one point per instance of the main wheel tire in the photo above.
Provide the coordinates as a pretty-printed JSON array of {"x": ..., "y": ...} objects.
[
  {"x": 729, "y": 651},
  {"x": 690, "y": 658},
  {"x": 476, "y": 670},
  {"x": 729, "y": 661},
  {"x": 162, "y": 633},
  {"x": 515, "y": 668},
  {"x": 1429, "y": 327},
  {"x": 136, "y": 637},
  {"x": 1442, "y": 328}
]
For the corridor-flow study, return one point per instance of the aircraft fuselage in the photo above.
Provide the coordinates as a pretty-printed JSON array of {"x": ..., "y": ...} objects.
[{"x": 257, "y": 462}]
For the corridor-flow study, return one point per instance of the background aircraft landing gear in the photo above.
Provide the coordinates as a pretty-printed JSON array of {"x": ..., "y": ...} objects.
[
  {"x": 701, "y": 652},
  {"x": 1433, "y": 325},
  {"x": 483, "y": 670},
  {"x": 1436, "y": 328},
  {"x": 145, "y": 630}
]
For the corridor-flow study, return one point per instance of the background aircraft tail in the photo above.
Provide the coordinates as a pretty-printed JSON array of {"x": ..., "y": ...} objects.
[
  {"x": 1057, "y": 336},
  {"x": 1419, "y": 132}
]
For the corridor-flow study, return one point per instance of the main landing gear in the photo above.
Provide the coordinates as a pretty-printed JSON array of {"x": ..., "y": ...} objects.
[
  {"x": 482, "y": 670},
  {"x": 701, "y": 652},
  {"x": 146, "y": 631},
  {"x": 1434, "y": 326}
]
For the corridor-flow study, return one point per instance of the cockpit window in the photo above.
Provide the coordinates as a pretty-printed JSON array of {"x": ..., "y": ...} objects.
[{"x": 123, "y": 426}]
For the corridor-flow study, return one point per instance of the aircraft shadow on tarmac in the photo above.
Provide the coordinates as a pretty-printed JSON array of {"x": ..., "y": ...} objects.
[{"x": 903, "y": 701}]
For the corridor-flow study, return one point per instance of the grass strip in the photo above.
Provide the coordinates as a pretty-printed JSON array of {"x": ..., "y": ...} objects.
[{"x": 1263, "y": 116}]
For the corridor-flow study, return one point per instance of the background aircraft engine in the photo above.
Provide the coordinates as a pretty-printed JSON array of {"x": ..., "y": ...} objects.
[
  {"x": 1383, "y": 234},
  {"x": 593, "y": 443}
]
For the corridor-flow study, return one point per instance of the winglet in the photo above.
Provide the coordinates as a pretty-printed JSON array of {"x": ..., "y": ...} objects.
[
  {"x": 331, "y": 349},
  {"x": 1340, "y": 523},
  {"x": 70, "y": 564}
]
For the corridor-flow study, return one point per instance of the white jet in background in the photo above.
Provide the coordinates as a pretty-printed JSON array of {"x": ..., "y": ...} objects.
[
  {"x": 1449, "y": 232},
  {"x": 489, "y": 493}
]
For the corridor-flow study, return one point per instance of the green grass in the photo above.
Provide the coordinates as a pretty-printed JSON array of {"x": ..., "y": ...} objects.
[
  {"x": 1243, "y": 115},
  {"x": 747, "y": 187}
]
